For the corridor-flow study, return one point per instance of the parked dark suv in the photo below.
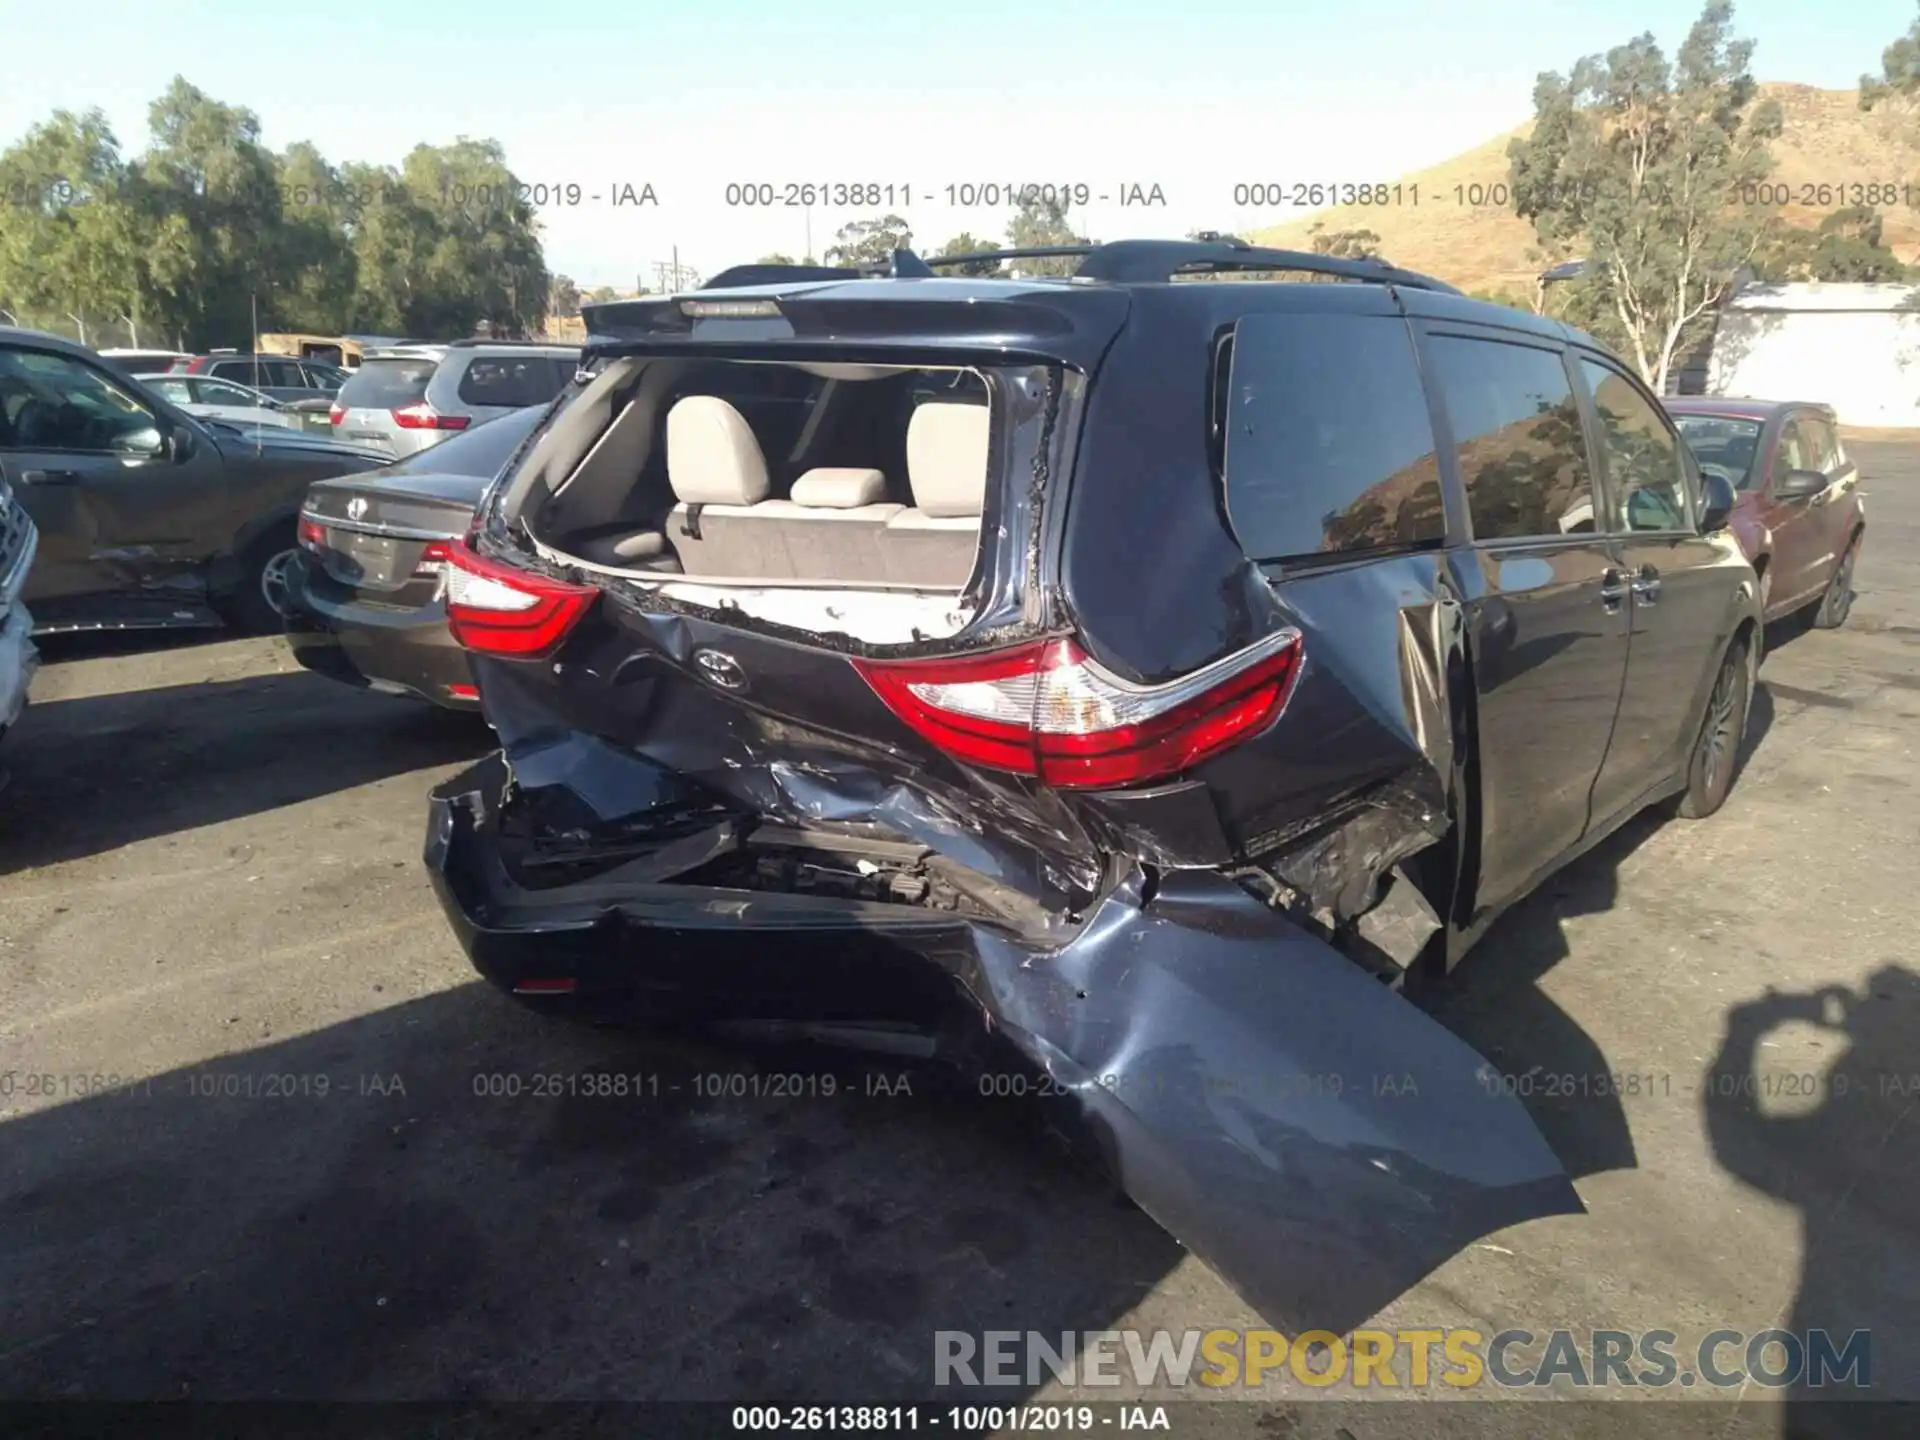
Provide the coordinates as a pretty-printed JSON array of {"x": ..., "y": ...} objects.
[
  {"x": 1162, "y": 669},
  {"x": 147, "y": 516}
]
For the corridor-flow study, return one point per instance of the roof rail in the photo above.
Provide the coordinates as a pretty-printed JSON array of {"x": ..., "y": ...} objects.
[
  {"x": 1146, "y": 262},
  {"x": 1027, "y": 252},
  {"x": 469, "y": 341}
]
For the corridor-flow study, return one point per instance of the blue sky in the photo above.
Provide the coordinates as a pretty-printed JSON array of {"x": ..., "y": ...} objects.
[{"x": 692, "y": 96}]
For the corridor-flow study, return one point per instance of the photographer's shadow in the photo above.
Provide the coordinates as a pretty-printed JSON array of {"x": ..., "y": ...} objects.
[{"x": 1845, "y": 1151}]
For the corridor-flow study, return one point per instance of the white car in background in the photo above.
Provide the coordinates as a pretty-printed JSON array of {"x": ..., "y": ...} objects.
[{"x": 221, "y": 400}]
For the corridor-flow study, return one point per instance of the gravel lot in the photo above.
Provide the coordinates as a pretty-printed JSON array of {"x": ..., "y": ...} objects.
[{"x": 213, "y": 886}]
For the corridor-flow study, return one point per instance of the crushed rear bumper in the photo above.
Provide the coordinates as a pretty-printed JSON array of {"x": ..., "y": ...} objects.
[{"x": 1308, "y": 1132}]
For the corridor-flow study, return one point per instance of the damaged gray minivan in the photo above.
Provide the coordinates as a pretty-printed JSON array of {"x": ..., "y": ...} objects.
[{"x": 1163, "y": 669}]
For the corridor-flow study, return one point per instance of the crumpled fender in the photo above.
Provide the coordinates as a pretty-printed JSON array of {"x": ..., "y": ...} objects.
[
  {"x": 1314, "y": 1137},
  {"x": 1307, "y": 1131}
]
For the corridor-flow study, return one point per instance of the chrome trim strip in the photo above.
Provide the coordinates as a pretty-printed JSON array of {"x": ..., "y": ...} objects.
[{"x": 391, "y": 532}]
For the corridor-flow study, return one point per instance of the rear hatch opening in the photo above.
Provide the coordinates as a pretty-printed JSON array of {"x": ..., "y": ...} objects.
[{"x": 826, "y": 497}]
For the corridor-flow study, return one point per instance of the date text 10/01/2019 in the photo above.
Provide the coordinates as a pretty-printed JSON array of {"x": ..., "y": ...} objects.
[{"x": 963, "y": 195}]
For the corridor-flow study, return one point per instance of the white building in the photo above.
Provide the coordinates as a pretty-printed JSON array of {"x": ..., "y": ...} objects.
[{"x": 1855, "y": 347}]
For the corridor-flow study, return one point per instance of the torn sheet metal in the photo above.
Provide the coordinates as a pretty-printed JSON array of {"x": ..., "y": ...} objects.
[
  {"x": 1298, "y": 1124},
  {"x": 1318, "y": 1140}
]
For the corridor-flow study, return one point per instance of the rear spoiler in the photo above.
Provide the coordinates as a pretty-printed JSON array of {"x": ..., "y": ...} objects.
[{"x": 907, "y": 324}]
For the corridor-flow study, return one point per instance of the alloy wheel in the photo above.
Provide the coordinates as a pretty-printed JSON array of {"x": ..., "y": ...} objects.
[
  {"x": 1839, "y": 599},
  {"x": 1719, "y": 737},
  {"x": 273, "y": 581}
]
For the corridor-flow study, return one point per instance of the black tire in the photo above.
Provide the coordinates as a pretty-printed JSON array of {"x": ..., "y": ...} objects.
[
  {"x": 1837, "y": 603},
  {"x": 251, "y": 609},
  {"x": 1716, "y": 750}
]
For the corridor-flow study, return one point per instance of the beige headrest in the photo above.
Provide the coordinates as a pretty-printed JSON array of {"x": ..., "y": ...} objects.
[
  {"x": 947, "y": 458},
  {"x": 712, "y": 457},
  {"x": 828, "y": 488}
]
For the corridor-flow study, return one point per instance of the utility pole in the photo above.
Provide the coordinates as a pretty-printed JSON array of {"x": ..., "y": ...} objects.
[{"x": 673, "y": 277}]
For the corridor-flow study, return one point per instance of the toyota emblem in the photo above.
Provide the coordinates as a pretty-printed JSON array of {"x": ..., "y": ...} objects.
[
  {"x": 722, "y": 669},
  {"x": 356, "y": 507}
]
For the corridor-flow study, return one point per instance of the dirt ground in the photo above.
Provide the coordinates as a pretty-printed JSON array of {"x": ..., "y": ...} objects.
[{"x": 213, "y": 890}]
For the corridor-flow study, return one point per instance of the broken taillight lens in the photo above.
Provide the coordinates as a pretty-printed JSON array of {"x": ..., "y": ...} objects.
[
  {"x": 502, "y": 610},
  {"x": 1048, "y": 710}
]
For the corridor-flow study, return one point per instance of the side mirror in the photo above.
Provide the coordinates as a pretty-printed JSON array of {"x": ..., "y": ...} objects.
[
  {"x": 183, "y": 443},
  {"x": 147, "y": 443},
  {"x": 1798, "y": 484},
  {"x": 1717, "y": 501}
]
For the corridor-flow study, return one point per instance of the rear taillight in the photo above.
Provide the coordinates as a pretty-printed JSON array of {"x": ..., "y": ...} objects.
[
  {"x": 424, "y": 417},
  {"x": 336, "y": 412},
  {"x": 1048, "y": 710},
  {"x": 434, "y": 557},
  {"x": 313, "y": 535},
  {"x": 502, "y": 610}
]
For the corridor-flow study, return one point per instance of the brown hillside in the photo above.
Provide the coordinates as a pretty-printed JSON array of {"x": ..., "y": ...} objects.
[{"x": 1827, "y": 140}]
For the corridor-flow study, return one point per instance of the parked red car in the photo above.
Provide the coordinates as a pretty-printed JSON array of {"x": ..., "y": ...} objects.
[{"x": 1799, "y": 516}]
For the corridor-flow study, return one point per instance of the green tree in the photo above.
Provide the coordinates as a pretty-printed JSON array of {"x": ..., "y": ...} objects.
[
  {"x": 1040, "y": 220},
  {"x": 869, "y": 242},
  {"x": 207, "y": 231},
  {"x": 1899, "y": 76},
  {"x": 965, "y": 244},
  {"x": 314, "y": 271},
  {"x": 1640, "y": 164},
  {"x": 601, "y": 295},
  {"x": 1846, "y": 246},
  {"x": 563, "y": 297},
  {"x": 775, "y": 259},
  {"x": 206, "y": 170},
  {"x": 69, "y": 249}
]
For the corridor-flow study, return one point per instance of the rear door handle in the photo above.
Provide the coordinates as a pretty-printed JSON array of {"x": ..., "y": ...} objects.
[
  {"x": 49, "y": 477},
  {"x": 1646, "y": 585},
  {"x": 1613, "y": 588}
]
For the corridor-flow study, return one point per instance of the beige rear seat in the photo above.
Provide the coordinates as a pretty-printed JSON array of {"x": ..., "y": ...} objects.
[
  {"x": 723, "y": 525},
  {"x": 833, "y": 523},
  {"x": 935, "y": 543}
]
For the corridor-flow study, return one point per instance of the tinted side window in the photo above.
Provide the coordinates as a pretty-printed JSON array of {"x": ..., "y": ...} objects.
[
  {"x": 56, "y": 402},
  {"x": 510, "y": 380},
  {"x": 1822, "y": 445},
  {"x": 1644, "y": 469},
  {"x": 1328, "y": 445},
  {"x": 1795, "y": 453},
  {"x": 1516, "y": 426}
]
